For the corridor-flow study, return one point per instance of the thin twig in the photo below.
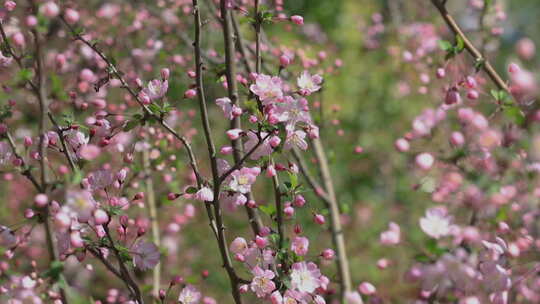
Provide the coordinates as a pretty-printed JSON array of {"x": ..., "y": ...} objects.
[
  {"x": 153, "y": 214},
  {"x": 218, "y": 217},
  {"x": 477, "y": 55},
  {"x": 338, "y": 239},
  {"x": 232, "y": 88}
]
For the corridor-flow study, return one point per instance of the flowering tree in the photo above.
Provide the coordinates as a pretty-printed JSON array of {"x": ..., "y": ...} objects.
[{"x": 123, "y": 125}]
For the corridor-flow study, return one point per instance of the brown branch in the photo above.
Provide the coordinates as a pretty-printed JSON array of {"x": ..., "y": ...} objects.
[
  {"x": 475, "y": 53},
  {"x": 232, "y": 88},
  {"x": 217, "y": 216},
  {"x": 125, "y": 275},
  {"x": 65, "y": 149},
  {"x": 153, "y": 214},
  {"x": 338, "y": 239}
]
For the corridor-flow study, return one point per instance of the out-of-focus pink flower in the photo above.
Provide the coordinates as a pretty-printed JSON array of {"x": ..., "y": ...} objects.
[
  {"x": 436, "y": 223},
  {"x": 145, "y": 255},
  {"x": 392, "y": 236},
  {"x": 300, "y": 245},
  {"x": 189, "y": 295}
]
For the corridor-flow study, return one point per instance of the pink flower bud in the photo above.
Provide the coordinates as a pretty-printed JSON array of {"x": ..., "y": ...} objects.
[
  {"x": 31, "y": 21},
  {"x": 41, "y": 200},
  {"x": 441, "y": 72},
  {"x": 145, "y": 99},
  {"x": 452, "y": 97},
  {"x": 367, "y": 288},
  {"x": 525, "y": 48},
  {"x": 402, "y": 145},
  {"x": 424, "y": 161},
  {"x": 288, "y": 211},
  {"x": 319, "y": 219},
  {"x": 260, "y": 241},
  {"x": 284, "y": 60},
  {"x": 138, "y": 196},
  {"x": 253, "y": 119},
  {"x": 275, "y": 141},
  {"x": 62, "y": 221},
  {"x": 124, "y": 220},
  {"x": 100, "y": 217},
  {"x": 75, "y": 239},
  {"x": 172, "y": 196},
  {"x": 299, "y": 201},
  {"x": 328, "y": 254},
  {"x": 470, "y": 82},
  {"x": 270, "y": 171},
  {"x": 234, "y": 134},
  {"x": 243, "y": 288},
  {"x": 191, "y": 93},
  {"x": 50, "y": 9},
  {"x": 18, "y": 39},
  {"x": 457, "y": 139},
  {"x": 513, "y": 68},
  {"x": 236, "y": 111},
  {"x": 473, "y": 95},
  {"x": 298, "y": 20},
  {"x": 71, "y": 15},
  {"x": 29, "y": 213},
  {"x": 226, "y": 150},
  {"x": 165, "y": 73},
  {"x": 10, "y": 5}
]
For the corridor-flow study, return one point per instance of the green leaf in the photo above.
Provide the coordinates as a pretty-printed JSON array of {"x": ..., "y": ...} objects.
[
  {"x": 445, "y": 45},
  {"x": 515, "y": 114},
  {"x": 130, "y": 125},
  {"x": 294, "y": 180},
  {"x": 154, "y": 108},
  {"x": 25, "y": 75},
  {"x": 54, "y": 271},
  {"x": 191, "y": 190},
  {"x": 460, "y": 44},
  {"x": 269, "y": 209}
]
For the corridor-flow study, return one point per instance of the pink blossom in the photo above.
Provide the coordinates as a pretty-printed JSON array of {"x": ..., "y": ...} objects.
[
  {"x": 436, "y": 223},
  {"x": 241, "y": 180},
  {"x": 300, "y": 245},
  {"x": 239, "y": 245},
  {"x": 353, "y": 297},
  {"x": 267, "y": 88},
  {"x": 262, "y": 283},
  {"x": 305, "y": 277},
  {"x": 424, "y": 161},
  {"x": 295, "y": 139},
  {"x": 8, "y": 239},
  {"x": 263, "y": 149},
  {"x": 309, "y": 84},
  {"x": 145, "y": 255},
  {"x": 204, "y": 194},
  {"x": 156, "y": 88},
  {"x": 189, "y": 295},
  {"x": 392, "y": 236}
]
